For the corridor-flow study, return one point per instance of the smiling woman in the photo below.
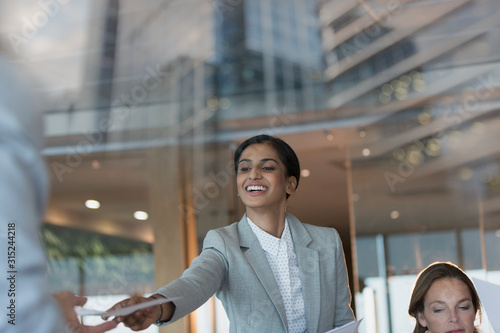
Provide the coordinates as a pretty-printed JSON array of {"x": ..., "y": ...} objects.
[
  {"x": 268, "y": 250},
  {"x": 283, "y": 151},
  {"x": 264, "y": 185}
]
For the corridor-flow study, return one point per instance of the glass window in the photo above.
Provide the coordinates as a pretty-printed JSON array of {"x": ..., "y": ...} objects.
[{"x": 392, "y": 108}]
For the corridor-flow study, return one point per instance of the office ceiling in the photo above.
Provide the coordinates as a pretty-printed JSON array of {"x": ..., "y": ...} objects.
[{"x": 386, "y": 195}]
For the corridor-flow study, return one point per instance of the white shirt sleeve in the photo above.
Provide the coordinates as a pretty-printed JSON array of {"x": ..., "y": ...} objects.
[{"x": 25, "y": 302}]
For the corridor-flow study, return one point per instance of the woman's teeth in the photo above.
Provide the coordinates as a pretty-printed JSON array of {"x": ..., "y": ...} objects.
[{"x": 255, "y": 188}]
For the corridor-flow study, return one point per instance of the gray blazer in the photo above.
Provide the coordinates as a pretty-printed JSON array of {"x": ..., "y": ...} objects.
[{"x": 234, "y": 266}]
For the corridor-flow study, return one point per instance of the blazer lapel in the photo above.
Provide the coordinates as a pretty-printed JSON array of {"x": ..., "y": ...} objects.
[
  {"x": 257, "y": 259},
  {"x": 309, "y": 271}
]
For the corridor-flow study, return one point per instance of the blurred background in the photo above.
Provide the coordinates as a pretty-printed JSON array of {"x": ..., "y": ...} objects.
[{"x": 392, "y": 107}]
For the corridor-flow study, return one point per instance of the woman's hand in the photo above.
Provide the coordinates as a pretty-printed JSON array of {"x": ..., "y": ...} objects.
[
  {"x": 67, "y": 301},
  {"x": 142, "y": 319}
]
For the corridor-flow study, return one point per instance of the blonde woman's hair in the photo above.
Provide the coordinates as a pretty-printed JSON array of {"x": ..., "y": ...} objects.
[{"x": 432, "y": 273}]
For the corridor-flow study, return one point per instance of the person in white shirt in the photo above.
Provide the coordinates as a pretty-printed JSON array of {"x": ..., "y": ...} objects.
[
  {"x": 271, "y": 272},
  {"x": 26, "y": 303}
]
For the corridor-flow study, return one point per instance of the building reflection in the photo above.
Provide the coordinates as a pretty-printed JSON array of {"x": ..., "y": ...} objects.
[{"x": 392, "y": 108}]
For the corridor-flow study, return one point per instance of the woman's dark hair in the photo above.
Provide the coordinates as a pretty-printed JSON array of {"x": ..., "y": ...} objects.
[
  {"x": 432, "y": 273},
  {"x": 285, "y": 153}
]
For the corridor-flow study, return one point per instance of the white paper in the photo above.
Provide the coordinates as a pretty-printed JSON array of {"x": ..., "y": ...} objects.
[
  {"x": 122, "y": 311},
  {"x": 489, "y": 294},
  {"x": 347, "y": 328}
]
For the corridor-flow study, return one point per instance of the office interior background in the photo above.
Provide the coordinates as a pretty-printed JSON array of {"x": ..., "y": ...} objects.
[{"x": 391, "y": 105}]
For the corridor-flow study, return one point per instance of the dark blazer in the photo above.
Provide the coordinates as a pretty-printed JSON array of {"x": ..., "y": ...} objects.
[{"x": 234, "y": 266}]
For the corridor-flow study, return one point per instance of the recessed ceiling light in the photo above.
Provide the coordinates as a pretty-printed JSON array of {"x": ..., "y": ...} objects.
[
  {"x": 394, "y": 214},
  {"x": 140, "y": 215},
  {"x": 92, "y": 204},
  {"x": 96, "y": 164},
  {"x": 305, "y": 173}
]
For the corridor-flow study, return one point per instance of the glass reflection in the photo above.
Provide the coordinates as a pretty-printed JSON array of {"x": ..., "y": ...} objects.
[{"x": 144, "y": 102}]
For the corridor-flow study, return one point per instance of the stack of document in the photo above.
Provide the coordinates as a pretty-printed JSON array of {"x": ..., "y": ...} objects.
[
  {"x": 489, "y": 294},
  {"x": 122, "y": 311},
  {"x": 347, "y": 328}
]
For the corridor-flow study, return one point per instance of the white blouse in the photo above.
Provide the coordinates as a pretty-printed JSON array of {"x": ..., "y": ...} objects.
[{"x": 281, "y": 256}]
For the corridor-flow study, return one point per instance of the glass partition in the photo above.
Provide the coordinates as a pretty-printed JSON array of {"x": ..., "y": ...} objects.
[
  {"x": 392, "y": 107},
  {"x": 424, "y": 174}
]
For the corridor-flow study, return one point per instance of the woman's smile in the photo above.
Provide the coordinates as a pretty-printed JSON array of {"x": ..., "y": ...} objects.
[{"x": 256, "y": 189}]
